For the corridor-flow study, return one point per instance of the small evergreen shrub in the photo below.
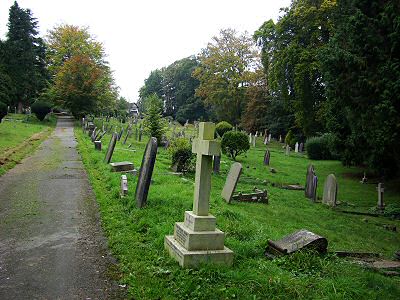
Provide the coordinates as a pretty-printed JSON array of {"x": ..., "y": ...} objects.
[
  {"x": 319, "y": 147},
  {"x": 290, "y": 139},
  {"x": 223, "y": 127},
  {"x": 41, "y": 109},
  {"x": 234, "y": 143},
  {"x": 3, "y": 110},
  {"x": 181, "y": 155}
]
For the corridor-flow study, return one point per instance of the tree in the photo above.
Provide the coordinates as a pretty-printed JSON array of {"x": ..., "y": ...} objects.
[
  {"x": 82, "y": 79},
  {"x": 234, "y": 143},
  {"x": 24, "y": 55},
  {"x": 225, "y": 65},
  {"x": 152, "y": 85},
  {"x": 153, "y": 122}
]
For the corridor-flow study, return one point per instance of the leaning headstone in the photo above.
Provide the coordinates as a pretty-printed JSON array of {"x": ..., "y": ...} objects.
[
  {"x": 296, "y": 147},
  {"x": 122, "y": 166},
  {"x": 145, "y": 173},
  {"x": 110, "y": 149},
  {"x": 97, "y": 145},
  {"x": 265, "y": 140},
  {"x": 287, "y": 150},
  {"x": 330, "y": 191},
  {"x": 216, "y": 164},
  {"x": 267, "y": 157},
  {"x": 128, "y": 133},
  {"x": 197, "y": 241},
  {"x": 381, "y": 189},
  {"x": 124, "y": 186},
  {"x": 231, "y": 181},
  {"x": 302, "y": 239},
  {"x": 136, "y": 134},
  {"x": 311, "y": 183}
]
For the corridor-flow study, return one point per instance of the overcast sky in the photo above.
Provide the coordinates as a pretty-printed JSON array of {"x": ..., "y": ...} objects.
[{"x": 140, "y": 36}]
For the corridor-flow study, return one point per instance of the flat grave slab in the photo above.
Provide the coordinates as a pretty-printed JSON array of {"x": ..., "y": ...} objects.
[{"x": 122, "y": 166}]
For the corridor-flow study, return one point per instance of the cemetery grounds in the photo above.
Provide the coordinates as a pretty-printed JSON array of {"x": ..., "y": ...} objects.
[
  {"x": 136, "y": 236},
  {"x": 19, "y": 136}
]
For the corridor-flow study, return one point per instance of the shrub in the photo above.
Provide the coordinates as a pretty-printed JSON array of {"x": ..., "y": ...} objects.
[
  {"x": 234, "y": 143},
  {"x": 223, "y": 127},
  {"x": 290, "y": 139},
  {"x": 181, "y": 154},
  {"x": 41, "y": 109},
  {"x": 320, "y": 147},
  {"x": 3, "y": 110}
]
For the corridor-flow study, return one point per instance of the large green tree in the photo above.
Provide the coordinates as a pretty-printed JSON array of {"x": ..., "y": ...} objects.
[
  {"x": 224, "y": 72},
  {"x": 24, "y": 53}
]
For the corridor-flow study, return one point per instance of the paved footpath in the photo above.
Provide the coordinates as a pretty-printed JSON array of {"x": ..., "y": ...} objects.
[{"x": 51, "y": 242}]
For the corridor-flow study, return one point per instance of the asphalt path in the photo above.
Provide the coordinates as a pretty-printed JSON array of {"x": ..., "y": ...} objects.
[{"x": 51, "y": 242}]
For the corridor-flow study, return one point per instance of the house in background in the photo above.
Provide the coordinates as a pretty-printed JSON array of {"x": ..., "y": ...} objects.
[{"x": 133, "y": 110}]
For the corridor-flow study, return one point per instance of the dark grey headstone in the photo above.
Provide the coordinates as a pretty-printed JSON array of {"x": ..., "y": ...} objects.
[
  {"x": 128, "y": 133},
  {"x": 216, "y": 164},
  {"x": 97, "y": 145},
  {"x": 267, "y": 157},
  {"x": 111, "y": 146},
  {"x": 310, "y": 190},
  {"x": 301, "y": 147},
  {"x": 140, "y": 134},
  {"x": 145, "y": 173}
]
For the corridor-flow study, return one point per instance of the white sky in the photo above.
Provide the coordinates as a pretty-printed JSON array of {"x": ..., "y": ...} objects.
[{"x": 146, "y": 35}]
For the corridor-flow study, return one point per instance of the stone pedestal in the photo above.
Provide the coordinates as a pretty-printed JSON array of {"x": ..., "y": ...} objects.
[{"x": 196, "y": 241}]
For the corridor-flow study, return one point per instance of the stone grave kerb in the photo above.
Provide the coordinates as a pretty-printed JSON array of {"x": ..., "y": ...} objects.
[{"x": 204, "y": 147}]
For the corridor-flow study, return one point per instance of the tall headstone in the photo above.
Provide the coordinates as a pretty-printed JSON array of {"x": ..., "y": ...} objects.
[
  {"x": 381, "y": 189},
  {"x": 287, "y": 150},
  {"x": 253, "y": 142},
  {"x": 197, "y": 240},
  {"x": 216, "y": 164},
  {"x": 296, "y": 147},
  {"x": 145, "y": 173},
  {"x": 250, "y": 138},
  {"x": 111, "y": 147},
  {"x": 231, "y": 181},
  {"x": 269, "y": 138},
  {"x": 311, "y": 184},
  {"x": 265, "y": 140},
  {"x": 267, "y": 157},
  {"x": 330, "y": 191},
  {"x": 301, "y": 147}
]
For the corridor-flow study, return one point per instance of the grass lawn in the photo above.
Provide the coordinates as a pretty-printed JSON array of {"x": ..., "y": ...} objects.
[
  {"x": 136, "y": 236},
  {"x": 20, "y": 137}
]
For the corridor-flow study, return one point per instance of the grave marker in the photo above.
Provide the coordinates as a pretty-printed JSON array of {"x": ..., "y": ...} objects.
[
  {"x": 97, "y": 145},
  {"x": 287, "y": 150},
  {"x": 330, "y": 191},
  {"x": 381, "y": 189},
  {"x": 296, "y": 147},
  {"x": 197, "y": 240},
  {"x": 145, "y": 173},
  {"x": 311, "y": 183},
  {"x": 124, "y": 185},
  {"x": 301, "y": 147},
  {"x": 110, "y": 149},
  {"x": 216, "y": 164},
  {"x": 267, "y": 157},
  {"x": 231, "y": 181}
]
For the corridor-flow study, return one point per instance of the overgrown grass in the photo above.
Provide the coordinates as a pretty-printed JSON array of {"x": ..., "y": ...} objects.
[
  {"x": 20, "y": 137},
  {"x": 136, "y": 236}
]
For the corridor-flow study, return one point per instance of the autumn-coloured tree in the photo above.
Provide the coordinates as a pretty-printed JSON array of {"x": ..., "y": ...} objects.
[{"x": 224, "y": 72}]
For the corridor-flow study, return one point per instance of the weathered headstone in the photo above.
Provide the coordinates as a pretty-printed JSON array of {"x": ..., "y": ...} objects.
[
  {"x": 90, "y": 127},
  {"x": 287, "y": 150},
  {"x": 265, "y": 140},
  {"x": 145, "y": 173},
  {"x": 302, "y": 239},
  {"x": 269, "y": 138},
  {"x": 122, "y": 166},
  {"x": 280, "y": 139},
  {"x": 231, "y": 181},
  {"x": 128, "y": 133},
  {"x": 254, "y": 140},
  {"x": 381, "y": 190},
  {"x": 140, "y": 133},
  {"x": 296, "y": 147},
  {"x": 124, "y": 185},
  {"x": 250, "y": 138},
  {"x": 311, "y": 183},
  {"x": 97, "y": 145},
  {"x": 197, "y": 240},
  {"x": 216, "y": 164},
  {"x": 267, "y": 157},
  {"x": 301, "y": 147},
  {"x": 110, "y": 149},
  {"x": 330, "y": 191}
]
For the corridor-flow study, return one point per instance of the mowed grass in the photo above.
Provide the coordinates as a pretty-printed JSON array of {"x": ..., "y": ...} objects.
[
  {"x": 136, "y": 236},
  {"x": 20, "y": 137}
]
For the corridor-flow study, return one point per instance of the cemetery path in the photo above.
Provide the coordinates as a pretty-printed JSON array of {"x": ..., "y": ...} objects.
[{"x": 51, "y": 242}]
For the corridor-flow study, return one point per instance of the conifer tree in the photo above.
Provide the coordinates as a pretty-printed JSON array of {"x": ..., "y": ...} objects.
[{"x": 153, "y": 122}]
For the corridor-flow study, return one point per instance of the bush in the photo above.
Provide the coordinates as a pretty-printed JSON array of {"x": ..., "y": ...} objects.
[
  {"x": 234, "y": 143},
  {"x": 321, "y": 147},
  {"x": 181, "y": 154},
  {"x": 3, "y": 110},
  {"x": 290, "y": 139},
  {"x": 223, "y": 127},
  {"x": 41, "y": 109}
]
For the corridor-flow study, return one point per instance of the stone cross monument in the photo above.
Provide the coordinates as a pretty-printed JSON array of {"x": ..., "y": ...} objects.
[{"x": 197, "y": 240}]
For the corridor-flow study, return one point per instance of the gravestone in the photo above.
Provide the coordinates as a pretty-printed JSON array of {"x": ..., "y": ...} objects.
[
  {"x": 110, "y": 149},
  {"x": 265, "y": 140},
  {"x": 311, "y": 183},
  {"x": 269, "y": 138},
  {"x": 302, "y": 239},
  {"x": 140, "y": 133},
  {"x": 301, "y": 147},
  {"x": 267, "y": 157},
  {"x": 128, "y": 133},
  {"x": 136, "y": 134},
  {"x": 296, "y": 147},
  {"x": 330, "y": 191},
  {"x": 92, "y": 136},
  {"x": 90, "y": 127},
  {"x": 254, "y": 140},
  {"x": 97, "y": 145},
  {"x": 124, "y": 186},
  {"x": 231, "y": 181},
  {"x": 122, "y": 166},
  {"x": 287, "y": 150},
  {"x": 216, "y": 164},
  {"x": 380, "y": 189},
  {"x": 280, "y": 139},
  {"x": 197, "y": 240},
  {"x": 120, "y": 133},
  {"x": 250, "y": 138},
  {"x": 145, "y": 173}
]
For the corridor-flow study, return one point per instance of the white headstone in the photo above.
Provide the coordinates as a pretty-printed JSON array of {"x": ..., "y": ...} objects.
[
  {"x": 296, "y": 147},
  {"x": 124, "y": 185},
  {"x": 330, "y": 191}
]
